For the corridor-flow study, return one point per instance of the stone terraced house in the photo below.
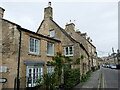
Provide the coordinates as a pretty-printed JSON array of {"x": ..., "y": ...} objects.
[{"x": 24, "y": 53}]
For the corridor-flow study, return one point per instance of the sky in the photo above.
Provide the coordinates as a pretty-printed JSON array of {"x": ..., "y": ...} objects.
[{"x": 98, "y": 19}]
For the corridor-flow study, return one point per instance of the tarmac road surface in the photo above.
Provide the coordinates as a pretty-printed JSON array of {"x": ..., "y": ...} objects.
[{"x": 111, "y": 78}]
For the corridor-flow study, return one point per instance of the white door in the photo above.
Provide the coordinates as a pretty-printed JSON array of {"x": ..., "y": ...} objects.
[{"x": 33, "y": 73}]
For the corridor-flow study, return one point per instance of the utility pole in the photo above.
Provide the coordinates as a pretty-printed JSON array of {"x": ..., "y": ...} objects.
[
  {"x": 109, "y": 58},
  {"x": 118, "y": 56},
  {"x": 113, "y": 54}
]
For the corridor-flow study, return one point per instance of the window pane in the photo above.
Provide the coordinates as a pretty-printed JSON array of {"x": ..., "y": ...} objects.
[
  {"x": 50, "y": 69},
  {"x": 34, "y": 45},
  {"x": 33, "y": 73},
  {"x": 71, "y": 50},
  {"x": 30, "y": 76},
  {"x": 66, "y": 50},
  {"x": 52, "y": 33},
  {"x": 37, "y": 73},
  {"x": 37, "y": 46},
  {"x": 50, "y": 48},
  {"x": 31, "y": 44}
]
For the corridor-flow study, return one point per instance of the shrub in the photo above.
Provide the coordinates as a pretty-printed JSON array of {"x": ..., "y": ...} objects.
[
  {"x": 85, "y": 77},
  {"x": 49, "y": 81},
  {"x": 71, "y": 77}
]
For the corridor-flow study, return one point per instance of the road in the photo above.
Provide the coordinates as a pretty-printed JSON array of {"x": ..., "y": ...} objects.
[{"x": 110, "y": 78}]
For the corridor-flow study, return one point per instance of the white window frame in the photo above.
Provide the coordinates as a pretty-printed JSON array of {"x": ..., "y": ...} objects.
[
  {"x": 38, "y": 74},
  {"x": 52, "y": 33},
  {"x": 69, "y": 54},
  {"x": 36, "y": 46},
  {"x": 52, "y": 53},
  {"x": 93, "y": 51},
  {"x": 3, "y": 69},
  {"x": 50, "y": 69}
]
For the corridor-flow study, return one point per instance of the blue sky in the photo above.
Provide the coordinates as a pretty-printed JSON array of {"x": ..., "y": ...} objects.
[{"x": 98, "y": 19}]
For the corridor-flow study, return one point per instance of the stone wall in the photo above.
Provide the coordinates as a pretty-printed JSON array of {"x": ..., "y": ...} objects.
[
  {"x": 66, "y": 40},
  {"x": 10, "y": 48},
  {"x": 10, "y": 39}
]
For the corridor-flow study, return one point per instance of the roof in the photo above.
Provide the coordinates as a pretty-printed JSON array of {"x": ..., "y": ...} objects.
[
  {"x": 11, "y": 22},
  {"x": 26, "y": 30},
  {"x": 73, "y": 40},
  {"x": 80, "y": 44},
  {"x": 2, "y": 8},
  {"x": 91, "y": 43},
  {"x": 64, "y": 32}
]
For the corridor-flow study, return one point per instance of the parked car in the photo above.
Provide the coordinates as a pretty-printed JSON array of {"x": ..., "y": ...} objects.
[
  {"x": 118, "y": 66},
  {"x": 113, "y": 66},
  {"x": 107, "y": 66},
  {"x": 103, "y": 65}
]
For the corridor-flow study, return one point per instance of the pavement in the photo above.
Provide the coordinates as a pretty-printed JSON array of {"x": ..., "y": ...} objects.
[{"x": 94, "y": 81}]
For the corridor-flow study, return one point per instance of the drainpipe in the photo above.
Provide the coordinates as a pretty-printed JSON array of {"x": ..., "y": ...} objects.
[
  {"x": 88, "y": 62},
  {"x": 19, "y": 52}
]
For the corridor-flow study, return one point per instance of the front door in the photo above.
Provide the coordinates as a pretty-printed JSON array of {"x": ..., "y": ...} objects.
[{"x": 33, "y": 73}]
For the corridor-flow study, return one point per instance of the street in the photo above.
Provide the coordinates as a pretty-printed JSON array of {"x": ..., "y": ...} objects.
[{"x": 110, "y": 78}]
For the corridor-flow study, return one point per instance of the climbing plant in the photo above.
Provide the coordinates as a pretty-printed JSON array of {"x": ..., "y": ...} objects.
[{"x": 62, "y": 69}]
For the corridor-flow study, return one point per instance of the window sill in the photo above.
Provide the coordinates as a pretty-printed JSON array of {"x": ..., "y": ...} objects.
[
  {"x": 69, "y": 55},
  {"x": 52, "y": 37},
  {"x": 34, "y": 54},
  {"x": 50, "y": 55}
]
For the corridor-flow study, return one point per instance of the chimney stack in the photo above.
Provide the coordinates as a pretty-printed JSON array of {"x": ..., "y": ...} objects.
[
  {"x": 70, "y": 26},
  {"x": 77, "y": 31},
  {"x": 1, "y": 12},
  {"x": 48, "y": 14},
  {"x": 84, "y": 35}
]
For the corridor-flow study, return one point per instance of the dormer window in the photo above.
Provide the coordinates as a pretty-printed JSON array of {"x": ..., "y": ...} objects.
[{"x": 52, "y": 33}]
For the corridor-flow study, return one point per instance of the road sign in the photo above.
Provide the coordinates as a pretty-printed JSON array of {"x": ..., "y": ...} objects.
[{"x": 3, "y": 80}]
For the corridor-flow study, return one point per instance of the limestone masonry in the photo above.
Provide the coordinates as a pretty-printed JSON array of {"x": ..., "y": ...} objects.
[{"x": 35, "y": 49}]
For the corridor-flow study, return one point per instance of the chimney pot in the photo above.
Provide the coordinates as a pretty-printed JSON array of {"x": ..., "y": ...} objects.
[
  {"x": 49, "y": 4},
  {"x": 1, "y": 12}
]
